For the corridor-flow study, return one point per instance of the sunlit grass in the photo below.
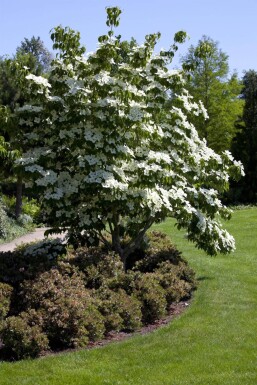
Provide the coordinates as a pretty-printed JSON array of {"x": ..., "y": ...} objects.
[{"x": 213, "y": 342}]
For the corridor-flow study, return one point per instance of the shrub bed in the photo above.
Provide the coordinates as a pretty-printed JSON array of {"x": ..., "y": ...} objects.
[{"x": 53, "y": 299}]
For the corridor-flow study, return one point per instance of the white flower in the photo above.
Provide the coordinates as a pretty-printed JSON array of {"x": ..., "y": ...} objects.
[
  {"x": 203, "y": 109},
  {"x": 103, "y": 78},
  {"x": 29, "y": 108},
  {"x": 135, "y": 113},
  {"x": 55, "y": 99},
  {"x": 201, "y": 222},
  {"x": 39, "y": 80}
]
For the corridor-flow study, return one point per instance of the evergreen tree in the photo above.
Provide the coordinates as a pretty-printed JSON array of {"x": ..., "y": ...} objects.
[
  {"x": 31, "y": 54},
  {"x": 40, "y": 56},
  {"x": 244, "y": 146},
  {"x": 209, "y": 82}
]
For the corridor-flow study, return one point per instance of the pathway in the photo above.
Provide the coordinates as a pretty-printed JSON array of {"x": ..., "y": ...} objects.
[{"x": 36, "y": 235}]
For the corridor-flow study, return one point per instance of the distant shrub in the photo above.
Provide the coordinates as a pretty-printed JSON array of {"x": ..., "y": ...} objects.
[
  {"x": 50, "y": 248},
  {"x": 24, "y": 220},
  {"x": 3, "y": 221},
  {"x": 30, "y": 207},
  {"x": 9, "y": 203},
  {"x": 13, "y": 229}
]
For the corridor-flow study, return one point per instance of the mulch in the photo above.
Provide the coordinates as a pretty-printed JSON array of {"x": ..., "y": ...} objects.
[{"x": 174, "y": 311}]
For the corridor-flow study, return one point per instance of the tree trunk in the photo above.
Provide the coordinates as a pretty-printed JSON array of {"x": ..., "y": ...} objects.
[
  {"x": 117, "y": 246},
  {"x": 18, "y": 204},
  {"x": 126, "y": 250}
]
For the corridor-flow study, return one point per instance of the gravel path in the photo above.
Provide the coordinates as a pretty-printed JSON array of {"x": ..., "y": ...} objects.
[{"x": 36, "y": 235}]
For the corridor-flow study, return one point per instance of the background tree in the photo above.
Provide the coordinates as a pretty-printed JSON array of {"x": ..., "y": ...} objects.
[
  {"x": 39, "y": 54},
  {"x": 10, "y": 97},
  {"x": 36, "y": 57},
  {"x": 244, "y": 146},
  {"x": 7, "y": 157},
  {"x": 106, "y": 157},
  {"x": 209, "y": 82}
]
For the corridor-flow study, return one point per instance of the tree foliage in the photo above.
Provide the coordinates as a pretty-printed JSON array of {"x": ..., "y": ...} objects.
[
  {"x": 245, "y": 144},
  {"x": 8, "y": 155},
  {"x": 31, "y": 54},
  {"x": 106, "y": 157},
  {"x": 40, "y": 57},
  {"x": 10, "y": 97},
  {"x": 209, "y": 81}
]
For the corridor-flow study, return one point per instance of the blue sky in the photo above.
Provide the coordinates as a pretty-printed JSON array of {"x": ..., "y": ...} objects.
[{"x": 232, "y": 23}]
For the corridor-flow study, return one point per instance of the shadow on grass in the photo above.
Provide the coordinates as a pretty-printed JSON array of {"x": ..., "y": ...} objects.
[{"x": 204, "y": 278}]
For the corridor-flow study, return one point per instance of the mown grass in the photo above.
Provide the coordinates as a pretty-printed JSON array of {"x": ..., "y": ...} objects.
[{"x": 214, "y": 342}]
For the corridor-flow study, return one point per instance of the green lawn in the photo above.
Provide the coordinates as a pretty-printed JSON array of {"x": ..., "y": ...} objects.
[{"x": 213, "y": 342}]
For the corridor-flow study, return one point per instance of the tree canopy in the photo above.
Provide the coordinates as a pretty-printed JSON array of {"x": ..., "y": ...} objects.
[
  {"x": 209, "y": 81},
  {"x": 40, "y": 56},
  {"x": 244, "y": 146},
  {"x": 33, "y": 55},
  {"x": 107, "y": 158}
]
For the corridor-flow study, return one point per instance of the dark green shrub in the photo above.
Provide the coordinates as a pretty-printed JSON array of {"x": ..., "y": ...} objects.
[
  {"x": 65, "y": 268},
  {"x": 33, "y": 317},
  {"x": 97, "y": 265},
  {"x": 177, "y": 281},
  {"x": 5, "y": 299},
  {"x": 62, "y": 301},
  {"x": 152, "y": 297},
  {"x": 130, "y": 312},
  {"x": 29, "y": 260},
  {"x": 108, "y": 305},
  {"x": 187, "y": 274},
  {"x": 52, "y": 285},
  {"x": 112, "y": 321},
  {"x": 125, "y": 281},
  {"x": 120, "y": 311},
  {"x": 160, "y": 249},
  {"x": 21, "y": 340},
  {"x": 94, "y": 323},
  {"x": 175, "y": 288}
]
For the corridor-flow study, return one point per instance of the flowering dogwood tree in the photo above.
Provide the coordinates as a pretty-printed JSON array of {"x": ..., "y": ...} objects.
[{"x": 109, "y": 158}]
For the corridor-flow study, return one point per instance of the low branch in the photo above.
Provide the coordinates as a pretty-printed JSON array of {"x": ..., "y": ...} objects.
[
  {"x": 135, "y": 243},
  {"x": 104, "y": 240}
]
